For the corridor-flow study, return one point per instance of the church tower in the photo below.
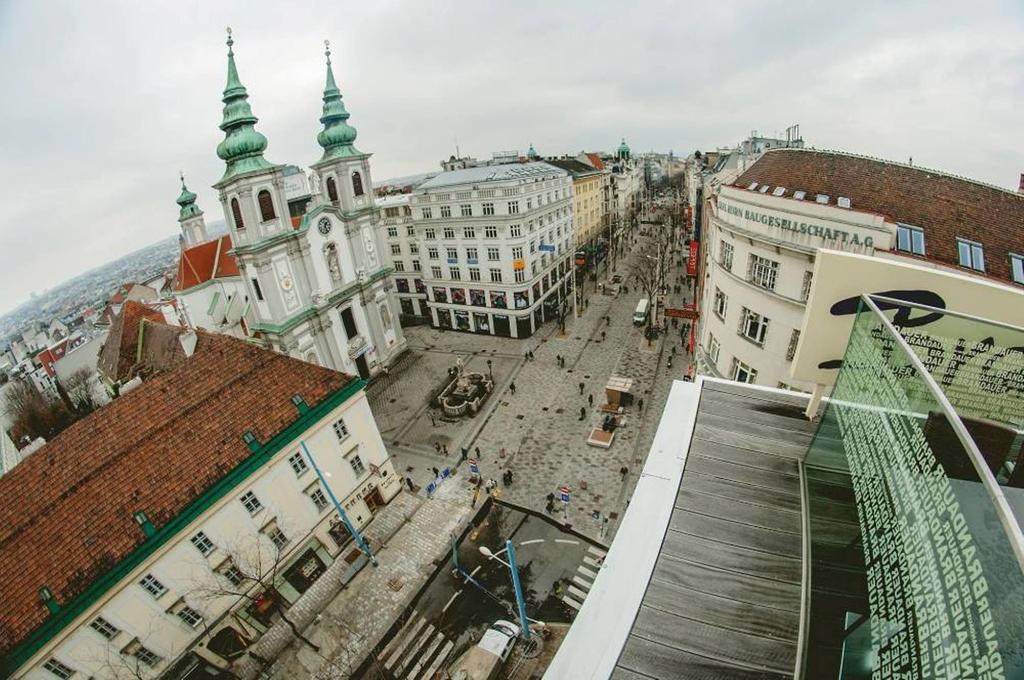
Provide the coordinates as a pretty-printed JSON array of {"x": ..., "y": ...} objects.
[{"x": 190, "y": 217}]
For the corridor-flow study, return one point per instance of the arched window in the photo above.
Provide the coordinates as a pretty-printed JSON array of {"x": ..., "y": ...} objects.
[
  {"x": 236, "y": 212},
  {"x": 332, "y": 189},
  {"x": 266, "y": 205},
  {"x": 357, "y": 184}
]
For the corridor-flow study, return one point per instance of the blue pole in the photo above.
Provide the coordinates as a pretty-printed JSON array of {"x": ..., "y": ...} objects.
[
  {"x": 518, "y": 588},
  {"x": 337, "y": 506}
]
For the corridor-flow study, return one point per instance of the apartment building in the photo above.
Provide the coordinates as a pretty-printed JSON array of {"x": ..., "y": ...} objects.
[{"x": 495, "y": 247}]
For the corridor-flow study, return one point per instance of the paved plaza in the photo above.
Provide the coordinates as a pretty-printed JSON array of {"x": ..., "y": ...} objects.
[{"x": 539, "y": 427}]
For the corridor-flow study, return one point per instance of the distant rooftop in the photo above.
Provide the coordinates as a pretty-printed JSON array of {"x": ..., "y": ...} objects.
[{"x": 493, "y": 173}]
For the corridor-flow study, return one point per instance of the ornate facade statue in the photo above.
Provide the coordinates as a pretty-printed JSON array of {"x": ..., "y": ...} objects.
[{"x": 333, "y": 265}]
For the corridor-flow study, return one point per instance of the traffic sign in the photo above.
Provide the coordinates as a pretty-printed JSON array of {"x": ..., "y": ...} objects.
[
  {"x": 563, "y": 494},
  {"x": 546, "y": 248}
]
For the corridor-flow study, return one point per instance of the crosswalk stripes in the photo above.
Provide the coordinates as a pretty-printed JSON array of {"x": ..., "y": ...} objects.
[
  {"x": 583, "y": 579},
  {"x": 416, "y": 651}
]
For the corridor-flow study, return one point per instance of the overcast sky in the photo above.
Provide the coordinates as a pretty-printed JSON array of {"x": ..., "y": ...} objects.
[{"x": 104, "y": 102}]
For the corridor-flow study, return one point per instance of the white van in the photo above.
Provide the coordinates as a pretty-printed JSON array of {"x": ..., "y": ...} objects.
[{"x": 642, "y": 309}]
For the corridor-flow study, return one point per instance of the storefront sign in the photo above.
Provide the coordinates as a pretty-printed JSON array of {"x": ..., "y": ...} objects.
[
  {"x": 839, "y": 236},
  {"x": 691, "y": 262}
]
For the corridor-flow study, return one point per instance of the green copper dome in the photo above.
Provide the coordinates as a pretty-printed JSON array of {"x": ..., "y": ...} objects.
[
  {"x": 623, "y": 151},
  {"x": 242, "y": 148},
  {"x": 337, "y": 136},
  {"x": 532, "y": 153},
  {"x": 187, "y": 201}
]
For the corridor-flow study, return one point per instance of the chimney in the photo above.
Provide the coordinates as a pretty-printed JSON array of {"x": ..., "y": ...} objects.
[{"x": 188, "y": 341}]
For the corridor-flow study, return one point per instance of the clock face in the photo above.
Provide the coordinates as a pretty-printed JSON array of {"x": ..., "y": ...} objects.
[{"x": 324, "y": 226}]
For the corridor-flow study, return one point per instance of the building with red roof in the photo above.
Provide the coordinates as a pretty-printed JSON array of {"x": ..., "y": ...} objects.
[{"x": 114, "y": 533}]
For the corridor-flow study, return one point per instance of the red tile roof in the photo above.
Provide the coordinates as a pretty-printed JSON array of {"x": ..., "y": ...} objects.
[
  {"x": 205, "y": 261},
  {"x": 596, "y": 161},
  {"x": 67, "y": 511},
  {"x": 945, "y": 206},
  {"x": 118, "y": 358},
  {"x": 51, "y": 355}
]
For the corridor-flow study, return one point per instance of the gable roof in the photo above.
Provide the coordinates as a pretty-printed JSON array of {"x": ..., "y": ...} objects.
[
  {"x": 205, "y": 261},
  {"x": 67, "y": 516},
  {"x": 119, "y": 356},
  {"x": 944, "y": 206},
  {"x": 595, "y": 160},
  {"x": 574, "y": 167},
  {"x": 51, "y": 355}
]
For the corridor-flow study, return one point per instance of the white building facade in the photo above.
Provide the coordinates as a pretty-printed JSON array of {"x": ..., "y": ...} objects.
[
  {"x": 403, "y": 253},
  {"x": 495, "y": 247},
  {"x": 311, "y": 261},
  {"x": 197, "y": 597}
]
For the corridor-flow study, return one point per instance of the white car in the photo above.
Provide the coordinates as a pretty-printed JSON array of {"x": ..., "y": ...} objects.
[{"x": 500, "y": 638}]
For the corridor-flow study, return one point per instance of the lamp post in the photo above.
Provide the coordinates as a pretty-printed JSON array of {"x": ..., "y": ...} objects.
[
  {"x": 358, "y": 537},
  {"x": 512, "y": 567}
]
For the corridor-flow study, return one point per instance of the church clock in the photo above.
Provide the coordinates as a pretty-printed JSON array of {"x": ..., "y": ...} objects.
[{"x": 324, "y": 226}]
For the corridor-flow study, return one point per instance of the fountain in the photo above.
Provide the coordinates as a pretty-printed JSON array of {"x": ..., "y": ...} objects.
[{"x": 464, "y": 393}]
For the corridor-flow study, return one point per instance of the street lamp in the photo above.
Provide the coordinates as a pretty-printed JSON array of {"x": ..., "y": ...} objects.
[{"x": 512, "y": 567}]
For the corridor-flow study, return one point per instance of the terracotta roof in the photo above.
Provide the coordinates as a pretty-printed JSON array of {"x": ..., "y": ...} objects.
[
  {"x": 118, "y": 358},
  {"x": 155, "y": 449},
  {"x": 49, "y": 356},
  {"x": 596, "y": 161},
  {"x": 205, "y": 261},
  {"x": 944, "y": 206}
]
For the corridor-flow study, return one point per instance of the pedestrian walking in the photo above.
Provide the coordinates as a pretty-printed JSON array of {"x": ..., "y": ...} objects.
[
  {"x": 623, "y": 471},
  {"x": 512, "y": 387},
  {"x": 583, "y": 412},
  {"x": 408, "y": 483},
  {"x": 603, "y": 334},
  {"x": 465, "y": 454},
  {"x": 437, "y": 447},
  {"x": 444, "y": 447},
  {"x": 590, "y": 399},
  {"x": 558, "y": 360},
  {"x": 526, "y": 356},
  {"x": 581, "y": 388},
  {"x": 433, "y": 422},
  {"x": 549, "y": 507},
  {"x": 640, "y": 405},
  {"x": 478, "y": 456},
  {"x": 437, "y": 473}
]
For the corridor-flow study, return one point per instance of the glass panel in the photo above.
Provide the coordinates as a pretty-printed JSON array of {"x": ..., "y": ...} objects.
[
  {"x": 965, "y": 253},
  {"x": 903, "y": 238},
  {"x": 912, "y": 572},
  {"x": 918, "y": 237}
]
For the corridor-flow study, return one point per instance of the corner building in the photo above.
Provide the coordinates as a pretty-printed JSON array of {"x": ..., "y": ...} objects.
[
  {"x": 495, "y": 247},
  {"x": 764, "y": 231},
  {"x": 316, "y": 281}
]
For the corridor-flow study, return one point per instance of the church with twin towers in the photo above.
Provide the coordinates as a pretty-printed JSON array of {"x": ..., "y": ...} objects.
[{"x": 302, "y": 270}]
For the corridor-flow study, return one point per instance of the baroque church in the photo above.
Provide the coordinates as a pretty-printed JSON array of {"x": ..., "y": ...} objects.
[{"x": 302, "y": 273}]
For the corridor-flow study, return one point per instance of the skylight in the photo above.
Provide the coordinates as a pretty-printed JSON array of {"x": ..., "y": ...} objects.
[
  {"x": 779, "y": 191},
  {"x": 799, "y": 195},
  {"x": 822, "y": 198}
]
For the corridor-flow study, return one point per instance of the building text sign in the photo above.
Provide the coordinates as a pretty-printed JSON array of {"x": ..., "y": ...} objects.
[{"x": 834, "y": 235}]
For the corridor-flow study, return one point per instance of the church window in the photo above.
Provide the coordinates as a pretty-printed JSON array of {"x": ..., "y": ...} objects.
[
  {"x": 357, "y": 184},
  {"x": 236, "y": 212},
  {"x": 349, "y": 322},
  {"x": 332, "y": 190},
  {"x": 266, "y": 205},
  {"x": 256, "y": 289}
]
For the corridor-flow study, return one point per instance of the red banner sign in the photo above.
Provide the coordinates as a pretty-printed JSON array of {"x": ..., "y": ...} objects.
[
  {"x": 686, "y": 312},
  {"x": 691, "y": 262}
]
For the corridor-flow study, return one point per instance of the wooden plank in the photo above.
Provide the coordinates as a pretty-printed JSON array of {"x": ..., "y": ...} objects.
[
  {"x": 733, "y": 489},
  {"x": 774, "y": 481},
  {"x": 755, "y": 411},
  {"x": 729, "y": 557},
  {"x": 775, "y": 519},
  {"x": 752, "y": 442},
  {"x": 648, "y": 659},
  {"x": 776, "y": 430},
  {"x": 743, "y": 535},
  {"x": 755, "y": 459},
  {"x": 768, "y": 589},
  {"x": 732, "y": 647},
  {"x": 795, "y": 402},
  {"x": 745, "y": 617}
]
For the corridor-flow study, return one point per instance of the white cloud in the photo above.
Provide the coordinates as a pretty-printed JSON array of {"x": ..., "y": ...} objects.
[{"x": 106, "y": 101}]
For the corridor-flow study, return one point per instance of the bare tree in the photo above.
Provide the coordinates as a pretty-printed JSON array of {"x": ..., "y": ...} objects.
[
  {"x": 79, "y": 389},
  {"x": 34, "y": 414},
  {"x": 250, "y": 574},
  {"x": 654, "y": 262}
]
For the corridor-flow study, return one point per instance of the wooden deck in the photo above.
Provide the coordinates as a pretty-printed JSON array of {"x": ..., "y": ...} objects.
[{"x": 724, "y": 598}]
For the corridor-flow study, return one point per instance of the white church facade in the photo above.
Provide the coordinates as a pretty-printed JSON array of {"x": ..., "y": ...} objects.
[{"x": 311, "y": 271}]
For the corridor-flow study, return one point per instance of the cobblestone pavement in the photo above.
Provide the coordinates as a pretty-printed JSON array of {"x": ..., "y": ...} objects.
[
  {"x": 411, "y": 534},
  {"x": 539, "y": 426}
]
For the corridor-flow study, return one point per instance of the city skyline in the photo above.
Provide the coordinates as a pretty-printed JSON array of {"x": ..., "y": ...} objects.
[{"x": 119, "y": 100}]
